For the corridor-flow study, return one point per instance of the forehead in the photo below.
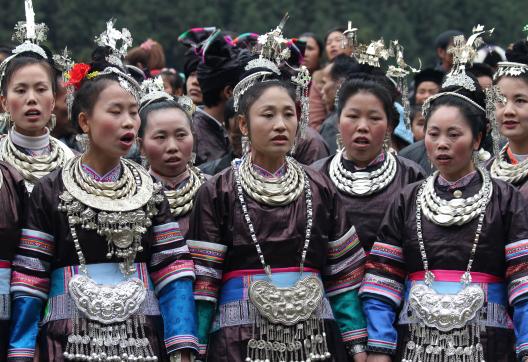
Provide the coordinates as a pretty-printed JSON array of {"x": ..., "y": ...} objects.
[
  {"x": 274, "y": 97},
  {"x": 30, "y": 73},
  {"x": 363, "y": 100},
  {"x": 428, "y": 85},
  {"x": 445, "y": 117},
  {"x": 510, "y": 86},
  {"x": 335, "y": 35},
  {"x": 113, "y": 93}
]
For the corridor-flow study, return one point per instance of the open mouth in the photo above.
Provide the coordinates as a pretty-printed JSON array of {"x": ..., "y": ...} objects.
[
  {"x": 362, "y": 141},
  {"x": 32, "y": 113},
  {"x": 127, "y": 138},
  {"x": 443, "y": 158},
  {"x": 279, "y": 138}
]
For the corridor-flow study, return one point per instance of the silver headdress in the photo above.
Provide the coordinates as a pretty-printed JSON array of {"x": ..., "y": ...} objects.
[
  {"x": 463, "y": 54},
  {"x": 372, "y": 53},
  {"x": 511, "y": 69},
  {"x": 273, "y": 50},
  {"x": 349, "y": 37},
  {"x": 153, "y": 90},
  {"x": 399, "y": 73},
  {"x": 110, "y": 38},
  {"x": 29, "y": 35}
]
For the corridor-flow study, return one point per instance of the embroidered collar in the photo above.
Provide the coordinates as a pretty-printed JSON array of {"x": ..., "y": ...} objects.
[
  {"x": 376, "y": 161},
  {"x": 172, "y": 183},
  {"x": 281, "y": 171},
  {"x": 514, "y": 158},
  {"x": 111, "y": 176},
  {"x": 461, "y": 182}
]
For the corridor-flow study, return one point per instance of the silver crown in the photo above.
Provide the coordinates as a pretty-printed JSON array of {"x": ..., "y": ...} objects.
[
  {"x": 152, "y": 90},
  {"x": 510, "y": 69},
  {"x": 372, "y": 53}
]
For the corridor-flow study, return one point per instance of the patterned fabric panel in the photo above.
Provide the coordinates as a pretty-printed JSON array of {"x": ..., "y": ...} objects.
[
  {"x": 30, "y": 274},
  {"x": 170, "y": 258},
  {"x": 385, "y": 274},
  {"x": 346, "y": 264},
  {"x": 208, "y": 259},
  {"x": 517, "y": 271}
]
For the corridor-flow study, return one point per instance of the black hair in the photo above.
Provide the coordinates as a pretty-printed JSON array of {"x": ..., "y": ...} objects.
[
  {"x": 343, "y": 66},
  {"x": 317, "y": 41},
  {"x": 212, "y": 97},
  {"x": 518, "y": 53},
  {"x": 156, "y": 106},
  {"x": 30, "y": 58},
  {"x": 481, "y": 70},
  {"x": 254, "y": 93},
  {"x": 443, "y": 39},
  {"x": 88, "y": 93},
  {"x": 369, "y": 84},
  {"x": 475, "y": 117},
  {"x": 415, "y": 110},
  {"x": 333, "y": 30},
  {"x": 229, "y": 111},
  {"x": 174, "y": 79}
]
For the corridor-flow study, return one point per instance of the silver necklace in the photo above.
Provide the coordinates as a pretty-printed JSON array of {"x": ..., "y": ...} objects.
[
  {"x": 181, "y": 200},
  {"x": 457, "y": 211},
  {"x": 286, "y": 320},
  {"x": 33, "y": 168},
  {"x": 444, "y": 332},
  {"x": 362, "y": 183},
  {"x": 113, "y": 331},
  {"x": 503, "y": 170},
  {"x": 275, "y": 191}
]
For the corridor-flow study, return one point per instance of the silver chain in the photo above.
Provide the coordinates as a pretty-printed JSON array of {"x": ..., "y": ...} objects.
[
  {"x": 309, "y": 219},
  {"x": 429, "y": 276}
]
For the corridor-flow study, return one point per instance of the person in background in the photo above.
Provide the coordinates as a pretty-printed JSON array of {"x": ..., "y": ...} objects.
[
  {"x": 312, "y": 53},
  {"x": 149, "y": 57},
  {"x": 64, "y": 130},
  {"x": 417, "y": 123},
  {"x": 426, "y": 83},
  {"x": 333, "y": 47},
  {"x": 442, "y": 44},
  {"x": 484, "y": 74},
  {"x": 333, "y": 75},
  {"x": 491, "y": 55},
  {"x": 218, "y": 73},
  {"x": 172, "y": 81}
]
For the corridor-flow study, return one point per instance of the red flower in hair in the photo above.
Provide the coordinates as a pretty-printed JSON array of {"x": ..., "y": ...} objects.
[{"x": 77, "y": 73}]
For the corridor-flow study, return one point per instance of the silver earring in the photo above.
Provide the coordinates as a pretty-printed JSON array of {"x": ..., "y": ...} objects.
[
  {"x": 192, "y": 160},
  {"x": 246, "y": 145},
  {"x": 83, "y": 141},
  {"x": 386, "y": 142},
  {"x": 339, "y": 141},
  {"x": 5, "y": 121},
  {"x": 52, "y": 122}
]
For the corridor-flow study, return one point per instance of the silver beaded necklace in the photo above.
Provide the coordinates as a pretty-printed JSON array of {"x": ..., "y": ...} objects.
[
  {"x": 444, "y": 332},
  {"x": 293, "y": 332}
]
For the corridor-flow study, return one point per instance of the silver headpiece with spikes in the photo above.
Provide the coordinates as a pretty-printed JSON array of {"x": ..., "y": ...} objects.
[
  {"x": 29, "y": 35},
  {"x": 463, "y": 54},
  {"x": 372, "y": 53},
  {"x": 153, "y": 91},
  {"x": 110, "y": 38},
  {"x": 273, "y": 51}
]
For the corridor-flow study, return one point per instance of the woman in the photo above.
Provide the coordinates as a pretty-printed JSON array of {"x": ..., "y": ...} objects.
[
  {"x": 313, "y": 52},
  {"x": 511, "y": 164},
  {"x": 28, "y": 88},
  {"x": 167, "y": 145},
  {"x": 13, "y": 197},
  {"x": 363, "y": 172},
  {"x": 450, "y": 252},
  {"x": 258, "y": 225},
  {"x": 99, "y": 249}
]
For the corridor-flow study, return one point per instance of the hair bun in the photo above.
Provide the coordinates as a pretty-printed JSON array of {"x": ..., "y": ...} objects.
[
  {"x": 518, "y": 53},
  {"x": 99, "y": 56}
]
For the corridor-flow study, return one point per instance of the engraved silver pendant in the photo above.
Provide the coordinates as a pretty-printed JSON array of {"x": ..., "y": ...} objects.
[
  {"x": 287, "y": 306},
  {"x": 446, "y": 312},
  {"x": 107, "y": 303}
]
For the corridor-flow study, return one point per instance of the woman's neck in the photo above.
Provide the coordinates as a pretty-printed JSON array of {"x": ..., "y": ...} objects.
[
  {"x": 455, "y": 176},
  {"x": 100, "y": 162},
  {"x": 269, "y": 163},
  {"x": 30, "y": 142},
  {"x": 171, "y": 181},
  {"x": 362, "y": 164},
  {"x": 519, "y": 148},
  {"x": 28, "y": 133}
]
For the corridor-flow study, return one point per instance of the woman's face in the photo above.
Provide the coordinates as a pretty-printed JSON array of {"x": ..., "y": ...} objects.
[
  {"x": 168, "y": 141},
  {"x": 329, "y": 88},
  {"x": 113, "y": 123},
  {"x": 272, "y": 123},
  {"x": 450, "y": 142},
  {"x": 417, "y": 127},
  {"x": 425, "y": 90},
  {"x": 193, "y": 89},
  {"x": 363, "y": 125},
  {"x": 29, "y": 99},
  {"x": 333, "y": 45},
  {"x": 312, "y": 54},
  {"x": 513, "y": 116}
]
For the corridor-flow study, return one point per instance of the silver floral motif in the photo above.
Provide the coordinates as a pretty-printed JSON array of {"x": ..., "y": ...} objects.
[
  {"x": 287, "y": 306},
  {"x": 107, "y": 303},
  {"x": 446, "y": 311}
]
